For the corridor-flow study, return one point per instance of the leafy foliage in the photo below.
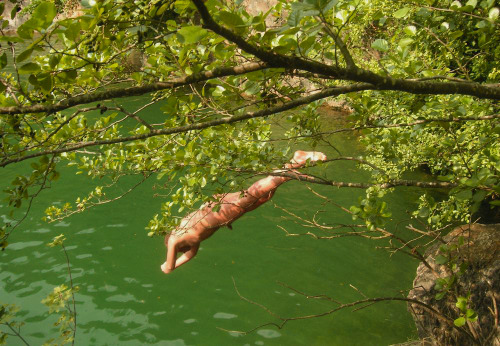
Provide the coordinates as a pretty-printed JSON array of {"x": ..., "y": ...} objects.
[
  {"x": 7, "y": 312},
  {"x": 421, "y": 80}
]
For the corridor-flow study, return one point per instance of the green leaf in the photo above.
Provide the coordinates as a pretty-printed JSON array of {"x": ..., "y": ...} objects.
[
  {"x": 410, "y": 30},
  {"x": 482, "y": 24},
  {"x": 14, "y": 11},
  {"x": 440, "y": 295},
  {"x": 472, "y": 3},
  {"x": 54, "y": 60},
  {"x": 456, "y": 34},
  {"x": 423, "y": 212},
  {"x": 461, "y": 303},
  {"x": 162, "y": 9},
  {"x": 459, "y": 322},
  {"x": 44, "y": 14},
  {"x": 72, "y": 31},
  {"x": 479, "y": 195},
  {"x": 46, "y": 83},
  {"x": 294, "y": 18},
  {"x": 380, "y": 45},
  {"x": 2, "y": 7},
  {"x": 231, "y": 19},
  {"x": 326, "y": 5},
  {"x": 440, "y": 259},
  {"x": 464, "y": 195},
  {"x": 307, "y": 8},
  {"x": 494, "y": 13},
  {"x": 471, "y": 315},
  {"x": 68, "y": 76},
  {"x": 33, "y": 81},
  {"x": 405, "y": 42},
  {"x": 402, "y": 12},
  {"x": 26, "y": 30},
  {"x": 29, "y": 68},
  {"x": 24, "y": 55},
  {"x": 191, "y": 34},
  {"x": 11, "y": 39},
  {"x": 3, "y": 60}
]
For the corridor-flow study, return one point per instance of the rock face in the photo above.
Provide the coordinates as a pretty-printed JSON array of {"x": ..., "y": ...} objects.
[
  {"x": 481, "y": 280},
  {"x": 72, "y": 8},
  {"x": 254, "y": 8},
  {"x": 13, "y": 23}
]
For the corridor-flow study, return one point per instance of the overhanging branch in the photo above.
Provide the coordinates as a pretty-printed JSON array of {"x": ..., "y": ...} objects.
[
  {"x": 203, "y": 125},
  {"x": 352, "y": 73},
  {"x": 392, "y": 183},
  {"x": 137, "y": 90}
]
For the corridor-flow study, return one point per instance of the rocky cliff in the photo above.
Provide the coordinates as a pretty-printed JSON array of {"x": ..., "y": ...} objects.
[{"x": 480, "y": 281}]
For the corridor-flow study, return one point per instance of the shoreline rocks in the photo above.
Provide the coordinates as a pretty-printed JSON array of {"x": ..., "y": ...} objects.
[{"x": 480, "y": 281}]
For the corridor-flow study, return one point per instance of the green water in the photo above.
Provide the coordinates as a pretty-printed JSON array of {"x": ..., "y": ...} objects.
[{"x": 125, "y": 299}]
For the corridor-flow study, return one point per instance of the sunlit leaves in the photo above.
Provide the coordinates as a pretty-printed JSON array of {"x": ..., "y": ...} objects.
[
  {"x": 44, "y": 14},
  {"x": 494, "y": 13},
  {"x": 232, "y": 20},
  {"x": 42, "y": 17},
  {"x": 24, "y": 55},
  {"x": 309, "y": 8},
  {"x": 380, "y": 45},
  {"x": 7, "y": 315},
  {"x": 29, "y": 68},
  {"x": 191, "y": 34},
  {"x": 401, "y": 13}
]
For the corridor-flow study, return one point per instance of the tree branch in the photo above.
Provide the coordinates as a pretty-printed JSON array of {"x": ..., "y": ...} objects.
[
  {"x": 364, "y": 302},
  {"x": 137, "y": 90},
  {"x": 357, "y": 74},
  {"x": 203, "y": 125},
  {"x": 16, "y": 333},
  {"x": 392, "y": 183},
  {"x": 416, "y": 122},
  {"x": 350, "y": 64}
]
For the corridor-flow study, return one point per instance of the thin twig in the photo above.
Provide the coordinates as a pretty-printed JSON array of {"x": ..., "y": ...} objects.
[
  {"x": 16, "y": 333},
  {"x": 72, "y": 292}
]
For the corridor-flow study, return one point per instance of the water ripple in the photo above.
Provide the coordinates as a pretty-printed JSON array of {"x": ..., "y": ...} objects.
[
  {"x": 41, "y": 230},
  {"x": 122, "y": 298},
  {"x": 268, "y": 333},
  {"x": 225, "y": 316},
  {"x": 20, "y": 260},
  {"x": 23, "y": 245},
  {"x": 86, "y": 231}
]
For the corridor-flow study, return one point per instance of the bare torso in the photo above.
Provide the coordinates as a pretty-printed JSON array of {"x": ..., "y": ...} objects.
[{"x": 205, "y": 221}]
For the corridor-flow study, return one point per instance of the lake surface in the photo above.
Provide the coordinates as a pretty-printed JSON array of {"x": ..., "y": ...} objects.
[{"x": 125, "y": 299}]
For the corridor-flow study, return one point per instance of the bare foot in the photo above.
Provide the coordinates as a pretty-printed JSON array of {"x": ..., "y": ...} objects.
[
  {"x": 164, "y": 268},
  {"x": 300, "y": 157}
]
